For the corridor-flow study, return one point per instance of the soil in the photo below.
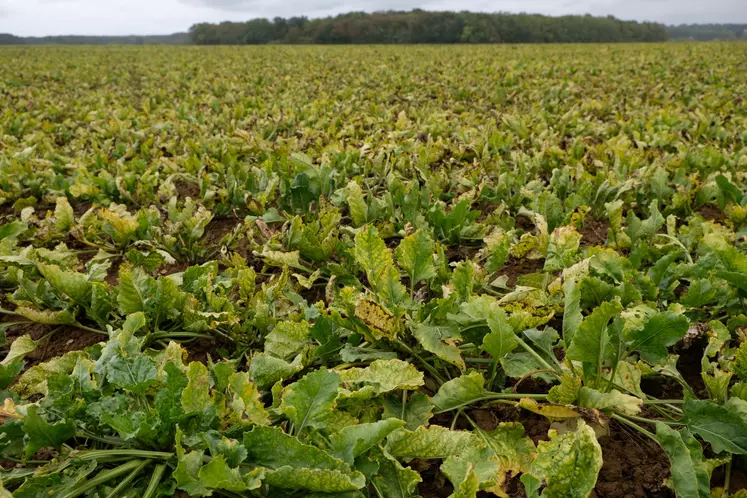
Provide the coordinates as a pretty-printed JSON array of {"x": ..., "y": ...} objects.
[
  {"x": 594, "y": 233},
  {"x": 112, "y": 276},
  {"x": 177, "y": 267},
  {"x": 514, "y": 268},
  {"x": 201, "y": 349},
  {"x": 737, "y": 481},
  {"x": 710, "y": 212},
  {"x": 633, "y": 467},
  {"x": 689, "y": 366},
  {"x": 66, "y": 339},
  {"x": 186, "y": 189},
  {"x": 219, "y": 228},
  {"x": 456, "y": 254}
]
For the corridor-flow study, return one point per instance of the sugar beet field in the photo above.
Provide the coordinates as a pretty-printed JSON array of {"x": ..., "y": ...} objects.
[{"x": 374, "y": 271}]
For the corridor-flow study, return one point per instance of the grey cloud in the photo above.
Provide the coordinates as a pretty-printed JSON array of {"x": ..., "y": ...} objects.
[
  {"x": 668, "y": 11},
  {"x": 119, "y": 17}
]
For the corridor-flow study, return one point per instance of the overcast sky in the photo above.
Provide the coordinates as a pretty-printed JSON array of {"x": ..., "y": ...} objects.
[{"x": 122, "y": 17}]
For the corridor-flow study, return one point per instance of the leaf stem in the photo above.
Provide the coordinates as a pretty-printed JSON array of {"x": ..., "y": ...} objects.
[
  {"x": 89, "y": 329},
  {"x": 127, "y": 480},
  {"x": 634, "y": 426},
  {"x": 663, "y": 401},
  {"x": 425, "y": 364},
  {"x": 495, "y": 397},
  {"x": 533, "y": 372},
  {"x": 534, "y": 353},
  {"x": 180, "y": 335},
  {"x": 102, "y": 454},
  {"x": 103, "y": 477},
  {"x": 154, "y": 480}
]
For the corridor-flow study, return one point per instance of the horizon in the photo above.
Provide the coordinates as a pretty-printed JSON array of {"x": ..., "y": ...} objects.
[{"x": 20, "y": 19}]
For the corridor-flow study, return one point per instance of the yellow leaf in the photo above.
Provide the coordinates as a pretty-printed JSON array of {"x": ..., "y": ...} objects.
[{"x": 552, "y": 412}]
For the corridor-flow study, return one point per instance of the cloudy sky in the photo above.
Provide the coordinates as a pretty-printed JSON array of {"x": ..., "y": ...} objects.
[{"x": 122, "y": 17}]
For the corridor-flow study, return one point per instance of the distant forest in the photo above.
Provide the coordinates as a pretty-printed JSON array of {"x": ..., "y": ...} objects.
[
  {"x": 708, "y": 32},
  {"x": 173, "y": 39},
  {"x": 417, "y": 26}
]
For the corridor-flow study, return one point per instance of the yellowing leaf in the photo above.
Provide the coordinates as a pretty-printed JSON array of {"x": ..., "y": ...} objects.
[
  {"x": 552, "y": 412},
  {"x": 380, "y": 321}
]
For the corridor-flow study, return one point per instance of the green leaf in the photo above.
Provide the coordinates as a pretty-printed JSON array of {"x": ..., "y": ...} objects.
[
  {"x": 266, "y": 370},
  {"x": 562, "y": 248},
  {"x": 196, "y": 396},
  {"x": 569, "y": 463},
  {"x": 646, "y": 229},
  {"x": 481, "y": 462},
  {"x": 514, "y": 450},
  {"x": 382, "y": 376},
  {"x": 218, "y": 475},
  {"x": 460, "y": 392},
  {"x": 429, "y": 442},
  {"x": 309, "y": 402},
  {"x": 41, "y": 434},
  {"x": 46, "y": 317},
  {"x": 591, "y": 342},
  {"x": 441, "y": 341},
  {"x": 329, "y": 481},
  {"x": 373, "y": 255},
  {"x": 64, "y": 218},
  {"x": 591, "y": 398},
  {"x": 134, "y": 286},
  {"x": 187, "y": 470},
  {"x": 416, "y": 411},
  {"x": 572, "y": 317},
  {"x": 287, "y": 339},
  {"x": 34, "y": 380},
  {"x": 73, "y": 284},
  {"x": 415, "y": 256},
  {"x": 501, "y": 340},
  {"x": 132, "y": 374},
  {"x": 245, "y": 402},
  {"x": 725, "y": 427},
  {"x": 469, "y": 487},
  {"x": 660, "y": 331},
  {"x": 566, "y": 392},
  {"x": 356, "y": 204},
  {"x": 395, "y": 481},
  {"x": 354, "y": 440},
  {"x": 270, "y": 447},
  {"x": 19, "y": 349},
  {"x": 690, "y": 477},
  {"x": 462, "y": 280}
]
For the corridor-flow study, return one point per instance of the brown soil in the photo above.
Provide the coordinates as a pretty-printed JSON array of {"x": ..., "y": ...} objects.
[
  {"x": 219, "y": 228},
  {"x": 112, "y": 277},
  {"x": 200, "y": 349},
  {"x": 66, "y": 339},
  {"x": 456, "y": 254},
  {"x": 633, "y": 467},
  {"x": 737, "y": 481},
  {"x": 177, "y": 267},
  {"x": 186, "y": 189},
  {"x": 711, "y": 213},
  {"x": 689, "y": 366},
  {"x": 514, "y": 268},
  {"x": 594, "y": 233}
]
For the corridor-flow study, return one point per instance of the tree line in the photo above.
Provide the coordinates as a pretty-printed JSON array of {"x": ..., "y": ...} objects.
[
  {"x": 173, "y": 39},
  {"x": 708, "y": 32},
  {"x": 419, "y": 26}
]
